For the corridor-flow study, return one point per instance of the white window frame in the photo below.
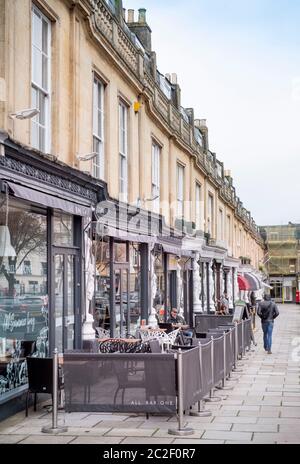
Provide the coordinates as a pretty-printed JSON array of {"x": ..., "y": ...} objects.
[
  {"x": 180, "y": 190},
  {"x": 155, "y": 190},
  {"x": 42, "y": 93},
  {"x": 198, "y": 206},
  {"x": 98, "y": 128},
  {"x": 123, "y": 151}
]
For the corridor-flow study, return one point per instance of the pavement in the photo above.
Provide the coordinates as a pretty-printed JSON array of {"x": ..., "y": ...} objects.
[{"x": 263, "y": 406}]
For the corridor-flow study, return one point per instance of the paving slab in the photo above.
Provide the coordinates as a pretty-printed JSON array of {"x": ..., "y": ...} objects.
[
  {"x": 46, "y": 439},
  {"x": 12, "y": 438},
  {"x": 94, "y": 440},
  {"x": 244, "y": 436},
  {"x": 127, "y": 432}
]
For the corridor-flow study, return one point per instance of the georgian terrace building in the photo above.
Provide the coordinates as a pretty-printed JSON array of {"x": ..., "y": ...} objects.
[{"x": 111, "y": 199}]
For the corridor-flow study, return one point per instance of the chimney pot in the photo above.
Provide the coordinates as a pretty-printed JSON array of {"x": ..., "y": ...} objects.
[
  {"x": 174, "y": 78},
  {"x": 142, "y": 15},
  {"x": 130, "y": 16}
]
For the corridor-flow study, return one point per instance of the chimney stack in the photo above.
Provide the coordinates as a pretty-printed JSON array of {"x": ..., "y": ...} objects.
[
  {"x": 174, "y": 78},
  {"x": 140, "y": 28},
  {"x": 142, "y": 15}
]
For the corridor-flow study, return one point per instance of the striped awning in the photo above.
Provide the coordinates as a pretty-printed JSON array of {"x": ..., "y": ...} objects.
[
  {"x": 254, "y": 282},
  {"x": 243, "y": 283}
]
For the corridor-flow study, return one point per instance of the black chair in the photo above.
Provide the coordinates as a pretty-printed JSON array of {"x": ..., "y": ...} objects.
[
  {"x": 155, "y": 346},
  {"x": 166, "y": 325},
  {"x": 28, "y": 347},
  {"x": 40, "y": 378}
]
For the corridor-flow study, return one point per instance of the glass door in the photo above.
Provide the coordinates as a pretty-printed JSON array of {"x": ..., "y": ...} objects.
[{"x": 66, "y": 297}]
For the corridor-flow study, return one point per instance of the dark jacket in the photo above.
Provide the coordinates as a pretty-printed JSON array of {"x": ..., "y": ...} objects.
[
  {"x": 267, "y": 310},
  {"x": 176, "y": 320}
]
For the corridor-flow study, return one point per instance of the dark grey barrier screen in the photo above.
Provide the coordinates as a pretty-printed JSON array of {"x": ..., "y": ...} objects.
[
  {"x": 247, "y": 333},
  {"x": 207, "y": 375},
  {"x": 240, "y": 337},
  {"x": 120, "y": 382},
  {"x": 229, "y": 352},
  {"x": 203, "y": 322},
  {"x": 191, "y": 376},
  {"x": 218, "y": 360}
]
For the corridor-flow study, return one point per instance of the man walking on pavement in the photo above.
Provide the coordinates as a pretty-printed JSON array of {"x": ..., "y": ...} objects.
[{"x": 267, "y": 311}]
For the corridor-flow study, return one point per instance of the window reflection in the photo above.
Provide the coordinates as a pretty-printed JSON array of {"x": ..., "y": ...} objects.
[
  {"x": 127, "y": 304},
  {"x": 23, "y": 292},
  {"x": 102, "y": 283},
  {"x": 63, "y": 230}
]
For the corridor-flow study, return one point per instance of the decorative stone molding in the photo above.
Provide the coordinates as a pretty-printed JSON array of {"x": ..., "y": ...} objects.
[
  {"x": 152, "y": 321},
  {"x": 197, "y": 304},
  {"x": 179, "y": 276},
  {"x": 44, "y": 176},
  {"x": 229, "y": 288},
  {"x": 212, "y": 306}
]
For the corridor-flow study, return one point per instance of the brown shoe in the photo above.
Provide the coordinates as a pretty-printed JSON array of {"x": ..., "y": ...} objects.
[{"x": 269, "y": 352}]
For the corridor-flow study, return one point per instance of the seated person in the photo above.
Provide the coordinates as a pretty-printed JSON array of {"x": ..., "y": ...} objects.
[{"x": 176, "y": 320}]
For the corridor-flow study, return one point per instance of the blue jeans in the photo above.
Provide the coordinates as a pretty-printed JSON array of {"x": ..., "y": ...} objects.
[{"x": 267, "y": 329}]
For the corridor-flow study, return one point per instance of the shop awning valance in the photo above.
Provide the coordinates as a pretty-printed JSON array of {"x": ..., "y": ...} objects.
[{"x": 41, "y": 198}]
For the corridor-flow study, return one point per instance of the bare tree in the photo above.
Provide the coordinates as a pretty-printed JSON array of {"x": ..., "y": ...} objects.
[{"x": 28, "y": 234}]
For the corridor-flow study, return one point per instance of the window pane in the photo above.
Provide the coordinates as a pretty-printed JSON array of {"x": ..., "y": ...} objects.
[
  {"x": 63, "y": 230},
  {"x": 37, "y": 29},
  {"x": 37, "y": 67},
  {"x": 42, "y": 144},
  {"x": 42, "y": 108},
  {"x": 45, "y": 72},
  {"x": 23, "y": 294},
  {"x": 45, "y": 37}
]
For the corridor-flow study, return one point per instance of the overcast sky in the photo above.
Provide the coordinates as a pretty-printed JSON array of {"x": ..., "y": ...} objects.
[{"x": 238, "y": 66}]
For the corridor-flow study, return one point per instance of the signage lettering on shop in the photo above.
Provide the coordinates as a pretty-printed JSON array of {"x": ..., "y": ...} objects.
[{"x": 10, "y": 323}]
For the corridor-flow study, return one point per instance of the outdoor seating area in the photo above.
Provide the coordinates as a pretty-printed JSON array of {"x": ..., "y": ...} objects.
[{"x": 143, "y": 376}]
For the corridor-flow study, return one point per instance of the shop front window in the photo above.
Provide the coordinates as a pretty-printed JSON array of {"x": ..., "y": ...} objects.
[
  {"x": 102, "y": 283},
  {"x": 135, "y": 287},
  {"x": 63, "y": 230},
  {"x": 127, "y": 301},
  {"x": 23, "y": 290}
]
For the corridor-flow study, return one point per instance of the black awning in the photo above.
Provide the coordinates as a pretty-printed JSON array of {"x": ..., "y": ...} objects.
[
  {"x": 40, "y": 198},
  {"x": 124, "y": 235}
]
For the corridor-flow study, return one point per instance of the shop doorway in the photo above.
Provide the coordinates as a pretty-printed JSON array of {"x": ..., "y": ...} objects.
[{"x": 66, "y": 297}]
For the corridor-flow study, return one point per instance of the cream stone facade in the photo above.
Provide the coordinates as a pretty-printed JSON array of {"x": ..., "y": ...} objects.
[
  {"x": 87, "y": 40},
  {"x": 146, "y": 212}
]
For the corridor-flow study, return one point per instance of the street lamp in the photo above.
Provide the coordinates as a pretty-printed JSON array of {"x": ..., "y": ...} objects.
[{"x": 24, "y": 114}]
